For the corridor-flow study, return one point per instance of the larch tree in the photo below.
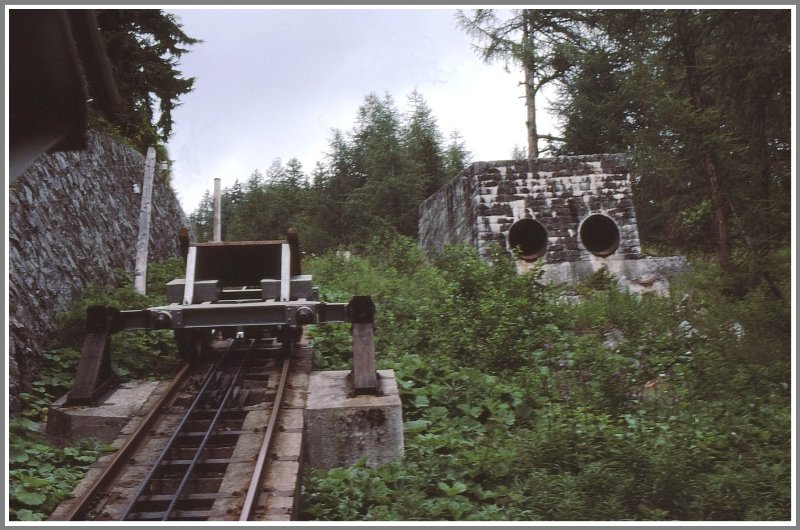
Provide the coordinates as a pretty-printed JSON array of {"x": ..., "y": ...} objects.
[
  {"x": 699, "y": 99},
  {"x": 295, "y": 176},
  {"x": 456, "y": 156},
  {"x": 422, "y": 141},
  {"x": 533, "y": 39}
]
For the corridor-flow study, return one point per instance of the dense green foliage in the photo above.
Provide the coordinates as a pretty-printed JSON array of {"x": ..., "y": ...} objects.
[
  {"x": 701, "y": 101},
  {"x": 374, "y": 178},
  {"x": 144, "y": 47},
  {"x": 520, "y": 404},
  {"x": 42, "y": 474}
]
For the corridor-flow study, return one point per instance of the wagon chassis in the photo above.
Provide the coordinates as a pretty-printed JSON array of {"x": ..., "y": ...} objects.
[{"x": 244, "y": 289}]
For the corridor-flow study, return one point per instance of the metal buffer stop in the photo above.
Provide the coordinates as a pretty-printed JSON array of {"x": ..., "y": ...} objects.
[
  {"x": 251, "y": 289},
  {"x": 358, "y": 414}
]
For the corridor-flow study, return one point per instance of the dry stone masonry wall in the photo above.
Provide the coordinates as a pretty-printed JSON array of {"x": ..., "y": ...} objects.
[
  {"x": 571, "y": 215},
  {"x": 73, "y": 219}
]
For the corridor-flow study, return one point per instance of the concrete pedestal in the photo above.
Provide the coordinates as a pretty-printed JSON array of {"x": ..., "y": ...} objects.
[
  {"x": 340, "y": 429},
  {"x": 104, "y": 421}
]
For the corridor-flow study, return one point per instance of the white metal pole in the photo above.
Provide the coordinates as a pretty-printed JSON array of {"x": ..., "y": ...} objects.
[
  {"x": 217, "y": 211},
  {"x": 188, "y": 287},
  {"x": 286, "y": 261},
  {"x": 140, "y": 271}
]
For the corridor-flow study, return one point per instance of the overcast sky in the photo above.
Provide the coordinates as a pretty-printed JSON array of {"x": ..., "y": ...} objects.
[{"x": 274, "y": 83}]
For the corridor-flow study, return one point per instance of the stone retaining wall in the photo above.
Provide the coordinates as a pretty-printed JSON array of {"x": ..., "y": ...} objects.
[{"x": 73, "y": 219}]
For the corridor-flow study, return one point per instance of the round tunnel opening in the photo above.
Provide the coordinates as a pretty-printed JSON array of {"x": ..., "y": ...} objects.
[
  {"x": 600, "y": 235},
  {"x": 530, "y": 237}
]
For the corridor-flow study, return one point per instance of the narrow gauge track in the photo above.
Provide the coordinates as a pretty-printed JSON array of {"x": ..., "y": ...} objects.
[{"x": 201, "y": 453}]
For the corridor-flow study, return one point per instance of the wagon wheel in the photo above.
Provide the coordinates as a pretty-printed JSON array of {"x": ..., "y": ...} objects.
[
  {"x": 288, "y": 336},
  {"x": 192, "y": 343}
]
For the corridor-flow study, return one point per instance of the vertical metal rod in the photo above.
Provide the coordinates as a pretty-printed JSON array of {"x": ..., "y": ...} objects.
[
  {"x": 217, "y": 211},
  {"x": 286, "y": 272},
  {"x": 188, "y": 288},
  {"x": 140, "y": 274}
]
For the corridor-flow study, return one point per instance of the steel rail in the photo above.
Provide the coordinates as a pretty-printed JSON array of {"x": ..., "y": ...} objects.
[
  {"x": 255, "y": 482},
  {"x": 175, "y": 434},
  {"x": 212, "y": 425},
  {"x": 118, "y": 461}
]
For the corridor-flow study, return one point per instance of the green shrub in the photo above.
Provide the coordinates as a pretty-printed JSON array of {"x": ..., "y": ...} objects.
[
  {"x": 515, "y": 409},
  {"x": 40, "y": 474}
]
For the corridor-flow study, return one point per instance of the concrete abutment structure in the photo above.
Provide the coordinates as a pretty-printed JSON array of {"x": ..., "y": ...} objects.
[{"x": 571, "y": 215}]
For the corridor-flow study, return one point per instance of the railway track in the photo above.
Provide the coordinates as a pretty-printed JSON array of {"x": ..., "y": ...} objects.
[{"x": 203, "y": 451}]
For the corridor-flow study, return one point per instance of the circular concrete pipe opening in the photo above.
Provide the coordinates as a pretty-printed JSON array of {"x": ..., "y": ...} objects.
[
  {"x": 600, "y": 235},
  {"x": 530, "y": 237}
]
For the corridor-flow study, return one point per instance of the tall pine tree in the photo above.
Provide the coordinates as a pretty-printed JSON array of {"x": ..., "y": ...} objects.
[{"x": 145, "y": 46}]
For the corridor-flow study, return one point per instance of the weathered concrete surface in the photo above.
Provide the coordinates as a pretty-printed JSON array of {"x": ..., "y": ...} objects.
[
  {"x": 648, "y": 274},
  {"x": 341, "y": 429},
  {"x": 280, "y": 487},
  {"x": 481, "y": 204},
  {"x": 72, "y": 219},
  {"x": 104, "y": 421},
  {"x": 449, "y": 216}
]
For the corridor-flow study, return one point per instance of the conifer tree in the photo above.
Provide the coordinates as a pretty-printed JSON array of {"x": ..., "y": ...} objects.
[
  {"x": 699, "y": 100},
  {"x": 422, "y": 142},
  {"x": 456, "y": 155},
  {"x": 533, "y": 39},
  {"x": 295, "y": 177},
  {"x": 202, "y": 219},
  {"x": 144, "y": 47}
]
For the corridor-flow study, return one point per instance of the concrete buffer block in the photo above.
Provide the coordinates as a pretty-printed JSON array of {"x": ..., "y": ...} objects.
[
  {"x": 341, "y": 427},
  {"x": 107, "y": 419}
]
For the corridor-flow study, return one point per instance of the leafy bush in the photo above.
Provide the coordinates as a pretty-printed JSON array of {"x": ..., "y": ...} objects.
[
  {"x": 41, "y": 474},
  {"x": 518, "y": 406}
]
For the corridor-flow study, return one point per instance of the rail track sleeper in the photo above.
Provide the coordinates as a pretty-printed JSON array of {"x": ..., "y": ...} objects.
[
  {"x": 216, "y": 461},
  {"x": 227, "y": 412},
  {"x": 190, "y": 497},
  {"x": 201, "y": 515},
  {"x": 167, "y": 486},
  {"x": 200, "y": 434}
]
